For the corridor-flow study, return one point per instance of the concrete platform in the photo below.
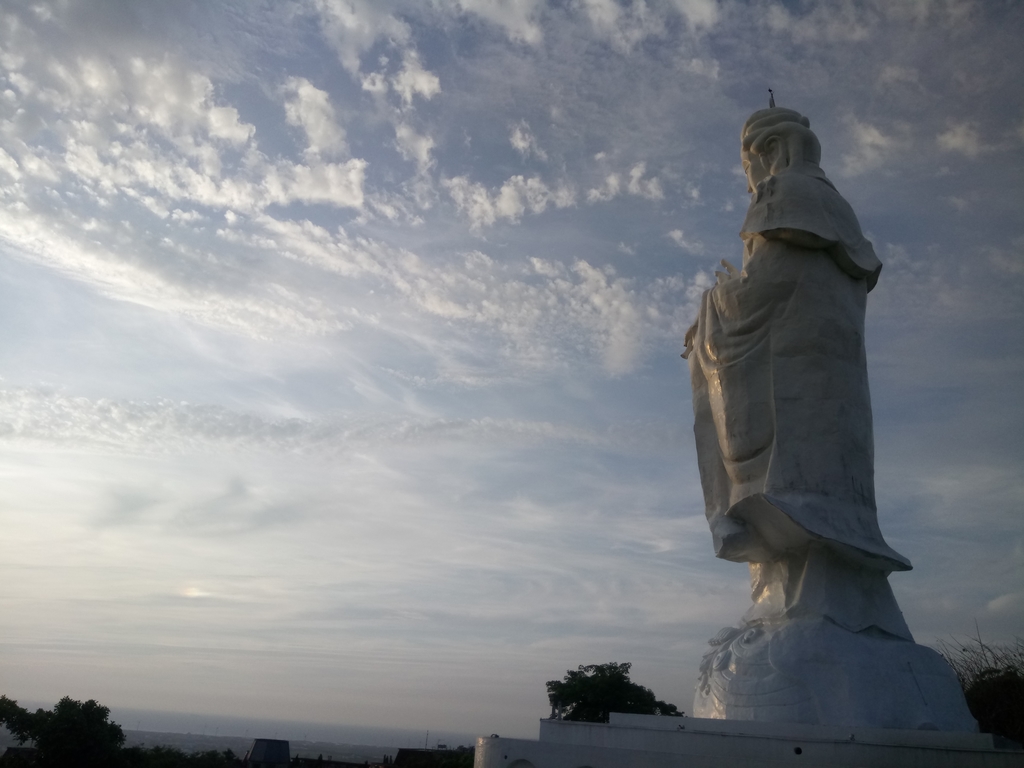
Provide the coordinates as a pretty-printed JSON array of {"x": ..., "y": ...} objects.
[{"x": 644, "y": 741}]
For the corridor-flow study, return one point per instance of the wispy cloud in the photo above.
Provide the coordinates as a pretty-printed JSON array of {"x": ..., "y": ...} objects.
[
  {"x": 633, "y": 183},
  {"x": 515, "y": 197},
  {"x": 309, "y": 108},
  {"x": 963, "y": 138},
  {"x": 525, "y": 143},
  {"x": 40, "y": 418}
]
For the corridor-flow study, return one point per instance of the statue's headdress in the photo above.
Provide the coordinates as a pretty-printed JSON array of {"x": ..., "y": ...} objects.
[
  {"x": 801, "y": 198},
  {"x": 789, "y": 126}
]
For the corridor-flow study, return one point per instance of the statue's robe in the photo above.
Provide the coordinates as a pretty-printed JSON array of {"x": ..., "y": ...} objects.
[{"x": 780, "y": 389}]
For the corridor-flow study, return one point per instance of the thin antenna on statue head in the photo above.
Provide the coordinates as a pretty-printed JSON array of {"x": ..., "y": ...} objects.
[{"x": 771, "y": 99}]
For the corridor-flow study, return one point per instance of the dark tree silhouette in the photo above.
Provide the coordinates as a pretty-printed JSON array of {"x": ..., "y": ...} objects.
[
  {"x": 80, "y": 735},
  {"x": 171, "y": 757},
  {"x": 593, "y": 691},
  {"x": 992, "y": 677},
  {"x": 72, "y": 733}
]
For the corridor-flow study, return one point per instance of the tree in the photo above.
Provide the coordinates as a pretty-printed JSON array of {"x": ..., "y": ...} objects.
[
  {"x": 992, "y": 677},
  {"x": 18, "y": 720},
  {"x": 73, "y": 733},
  {"x": 593, "y": 691},
  {"x": 172, "y": 757}
]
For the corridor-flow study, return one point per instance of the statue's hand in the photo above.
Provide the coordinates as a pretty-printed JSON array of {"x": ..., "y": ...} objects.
[
  {"x": 690, "y": 334},
  {"x": 730, "y": 537},
  {"x": 736, "y": 540},
  {"x": 730, "y": 274}
]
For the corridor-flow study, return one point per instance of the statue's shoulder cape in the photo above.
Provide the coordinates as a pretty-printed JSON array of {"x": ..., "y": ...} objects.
[{"x": 808, "y": 202}]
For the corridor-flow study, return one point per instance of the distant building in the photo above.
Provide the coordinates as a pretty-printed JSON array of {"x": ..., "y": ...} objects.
[{"x": 268, "y": 753}]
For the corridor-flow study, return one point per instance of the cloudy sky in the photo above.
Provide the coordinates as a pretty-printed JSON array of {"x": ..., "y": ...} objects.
[{"x": 340, "y": 373}]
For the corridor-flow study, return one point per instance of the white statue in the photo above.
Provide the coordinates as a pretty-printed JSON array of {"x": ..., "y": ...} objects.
[{"x": 785, "y": 448}]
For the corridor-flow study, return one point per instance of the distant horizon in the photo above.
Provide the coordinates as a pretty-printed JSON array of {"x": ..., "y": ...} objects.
[{"x": 155, "y": 721}]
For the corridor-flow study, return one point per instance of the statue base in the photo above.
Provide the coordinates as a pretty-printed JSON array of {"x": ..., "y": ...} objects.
[
  {"x": 815, "y": 672},
  {"x": 629, "y": 741}
]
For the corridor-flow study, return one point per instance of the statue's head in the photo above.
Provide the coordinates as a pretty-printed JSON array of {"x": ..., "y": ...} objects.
[{"x": 775, "y": 140}]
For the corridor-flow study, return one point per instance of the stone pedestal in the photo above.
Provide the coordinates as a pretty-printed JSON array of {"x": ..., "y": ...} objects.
[
  {"x": 813, "y": 672},
  {"x": 642, "y": 741}
]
